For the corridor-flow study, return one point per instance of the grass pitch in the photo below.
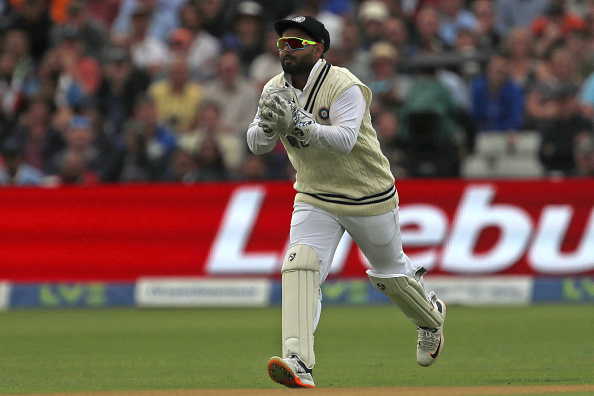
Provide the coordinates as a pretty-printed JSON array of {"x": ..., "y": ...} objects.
[{"x": 137, "y": 349}]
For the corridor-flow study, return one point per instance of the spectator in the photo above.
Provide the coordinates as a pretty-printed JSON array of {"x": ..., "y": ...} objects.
[
  {"x": 522, "y": 64},
  {"x": 497, "y": 101},
  {"x": 429, "y": 64},
  {"x": 563, "y": 131},
  {"x": 45, "y": 81},
  {"x": 93, "y": 34},
  {"x": 557, "y": 19},
  {"x": 558, "y": 69},
  {"x": 372, "y": 14},
  {"x": 254, "y": 168},
  {"x": 396, "y": 32},
  {"x": 266, "y": 65},
  {"x": 430, "y": 133},
  {"x": 179, "y": 42},
  {"x": 147, "y": 148},
  {"x": 80, "y": 139},
  {"x": 121, "y": 84},
  {"x": 485, "y": 14},
  {"x": 514, "y": 13},
  {"x": 183, "y": 167},
  {"x": 80, "y": 74},
  {"x": 73, "y": 171},
  {"x": 176, "y": 98},
  {"x": 14, "y": 171},
  {"x": 576, "y": 47},
  {"x": 32, "y": 16},
  {"x": 586, "y": 97},
  {"x": 247, "y": 38},
  {"x": 554, "y": 26},
  {"x": 584, "y": 156},
  {"x": 217, "y": 15},
  {"x": 350, "y": 54},
  {"x": 35, "y": 135},
  {"x": 11, "y": 88},
  {"x": 211, "y": 125},
  {"x": 386, "y": 125},
  {"x": 103, "y": 11},
  {"x": 426, "y": 36},
  {"x": 211, "y": 166},
  {"x": 236, "y": 96},
  {"x": 588, "y": 39},
  {"x": 148, "y": 52},
  {"x": 16, "y": 43},
  {"x": 204, "y": 48},
  {"x": 388, "y": 87},
  {"x": 52, "y": 73},
  {"x": 454, "y": 17},
  {"x": 469, "y": 58},
  {"x": 163, "y": 19}
]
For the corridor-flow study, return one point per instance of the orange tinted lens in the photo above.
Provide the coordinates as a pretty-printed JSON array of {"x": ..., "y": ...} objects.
[{"x": 294, "y": 44}]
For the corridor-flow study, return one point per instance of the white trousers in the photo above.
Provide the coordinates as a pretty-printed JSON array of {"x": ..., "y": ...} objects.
[{"x": 378, "y": 237}]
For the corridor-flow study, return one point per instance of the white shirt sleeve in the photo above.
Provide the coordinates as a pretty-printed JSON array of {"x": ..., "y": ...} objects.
[
  {"x": 258, "y": 141},
  {"x": 346, "y": 115}
]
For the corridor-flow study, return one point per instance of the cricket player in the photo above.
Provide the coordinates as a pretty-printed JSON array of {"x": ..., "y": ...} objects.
[{"x": 321, "y": 114}]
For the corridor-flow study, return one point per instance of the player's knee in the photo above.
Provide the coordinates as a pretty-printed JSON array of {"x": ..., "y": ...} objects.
[{"x": 301, "y": 257}]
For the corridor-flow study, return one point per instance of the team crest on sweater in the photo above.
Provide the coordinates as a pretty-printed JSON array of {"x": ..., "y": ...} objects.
[{"x": 324, "y": 113}]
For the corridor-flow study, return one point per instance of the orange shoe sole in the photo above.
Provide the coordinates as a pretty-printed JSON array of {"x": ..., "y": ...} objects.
[{"x": 280, "y": 373}]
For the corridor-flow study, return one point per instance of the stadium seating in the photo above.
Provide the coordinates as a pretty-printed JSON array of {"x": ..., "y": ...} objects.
[{"x": 504, "y": 155}]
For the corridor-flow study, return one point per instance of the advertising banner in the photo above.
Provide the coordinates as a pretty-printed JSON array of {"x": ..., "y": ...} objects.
[
  {"x": 452, "y": 227},
  {"x": 4, "y": 295},
  {"x": 203, "y": 292}
]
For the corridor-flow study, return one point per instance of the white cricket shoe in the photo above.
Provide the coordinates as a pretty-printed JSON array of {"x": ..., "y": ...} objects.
[
  {"x": 290, "y": 372},
  {"x": 430, "y": 341}
]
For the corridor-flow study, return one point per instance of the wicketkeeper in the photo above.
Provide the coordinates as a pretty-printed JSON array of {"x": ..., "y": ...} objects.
[{"x": 321, "y": 114}]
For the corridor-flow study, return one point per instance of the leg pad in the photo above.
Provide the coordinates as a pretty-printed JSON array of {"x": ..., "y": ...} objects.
[
  {"x": 301, "y": 285},
  {"x": 409, "y": 295}
]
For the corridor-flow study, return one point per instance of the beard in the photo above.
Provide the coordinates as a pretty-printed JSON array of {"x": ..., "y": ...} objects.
[{"x": 295, "y": 66}]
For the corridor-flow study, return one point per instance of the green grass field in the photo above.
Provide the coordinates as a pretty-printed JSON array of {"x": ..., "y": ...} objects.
[{"x": 134, "y": 349}]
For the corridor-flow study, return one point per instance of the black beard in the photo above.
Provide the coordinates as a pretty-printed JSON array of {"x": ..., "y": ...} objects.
[{"x": 302, "y": 65}]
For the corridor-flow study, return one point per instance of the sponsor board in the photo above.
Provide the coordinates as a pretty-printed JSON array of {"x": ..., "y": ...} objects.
[
  {"x": 504, "y": 290},
  {"x": 4, "y": 295},
  {"x": 451, "y": 227},
  {"x": 569, "y": 290},
  {"x": 242, "y": 293},
  {"x": 65, "y": 295},
  {"x": 485, "y": 230},
  {"x": 189, "y": 292}
]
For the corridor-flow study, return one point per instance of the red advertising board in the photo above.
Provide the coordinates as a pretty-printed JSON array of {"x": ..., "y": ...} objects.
[{"x": 126, "y": 232}]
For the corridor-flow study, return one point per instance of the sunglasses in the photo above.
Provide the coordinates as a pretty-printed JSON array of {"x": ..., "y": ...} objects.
[{"x": 294, "y": 43}]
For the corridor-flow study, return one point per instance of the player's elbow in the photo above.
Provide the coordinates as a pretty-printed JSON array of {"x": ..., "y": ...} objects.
[{"x": 258, "y": 149}]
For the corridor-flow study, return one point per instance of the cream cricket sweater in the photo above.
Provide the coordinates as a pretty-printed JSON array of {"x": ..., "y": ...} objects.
[{"x": 359, "y": 183}]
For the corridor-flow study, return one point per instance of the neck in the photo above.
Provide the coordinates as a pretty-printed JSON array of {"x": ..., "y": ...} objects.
[{"x": 300, "y": 79}]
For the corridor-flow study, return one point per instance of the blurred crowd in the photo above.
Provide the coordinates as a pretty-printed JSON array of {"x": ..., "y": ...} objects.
[{"x": 119, "y": 91}]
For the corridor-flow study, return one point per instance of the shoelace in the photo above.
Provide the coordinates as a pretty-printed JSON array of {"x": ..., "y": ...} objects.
[
  {"x": 428, "y": 339},
  {"x": 297, "y": 369},
  {"x": 297, "y": 366}
]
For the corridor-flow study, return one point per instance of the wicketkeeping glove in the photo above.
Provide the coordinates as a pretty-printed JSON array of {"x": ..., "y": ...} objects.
[
  {"x": 274, "y": 110},
  {"x": 303, "y": 124}
]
